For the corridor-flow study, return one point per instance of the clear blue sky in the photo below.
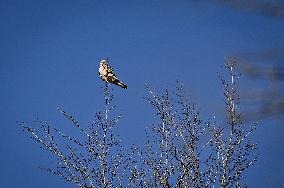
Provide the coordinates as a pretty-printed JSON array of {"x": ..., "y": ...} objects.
[{"x": 49, "y": 54}]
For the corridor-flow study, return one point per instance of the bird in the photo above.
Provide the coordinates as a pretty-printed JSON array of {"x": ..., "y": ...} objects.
[{"x": 107, "y": 74}]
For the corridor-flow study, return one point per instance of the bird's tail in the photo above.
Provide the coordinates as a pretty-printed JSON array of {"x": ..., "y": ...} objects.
[{"x": 119, "y": 83}]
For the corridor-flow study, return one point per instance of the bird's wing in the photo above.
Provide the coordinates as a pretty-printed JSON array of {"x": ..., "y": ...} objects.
[{"x": 109, "y": 68}]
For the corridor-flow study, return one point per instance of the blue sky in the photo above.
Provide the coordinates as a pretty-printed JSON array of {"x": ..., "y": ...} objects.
[{"x": 49, "y": 54}]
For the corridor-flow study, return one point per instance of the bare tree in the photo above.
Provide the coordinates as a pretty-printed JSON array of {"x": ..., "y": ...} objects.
[
  {"x": 173, "y": 151},
  {"x": 235, "y": 152},
  {"x": 96, "y": 161},
  {"x": 182, "y": 150}
]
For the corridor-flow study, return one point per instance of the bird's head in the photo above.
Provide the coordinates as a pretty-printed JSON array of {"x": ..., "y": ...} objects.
[{"x": 104, "y": 61}]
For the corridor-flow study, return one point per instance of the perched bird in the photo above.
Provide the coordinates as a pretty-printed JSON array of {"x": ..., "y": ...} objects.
[{"x": 106, "y": 73}]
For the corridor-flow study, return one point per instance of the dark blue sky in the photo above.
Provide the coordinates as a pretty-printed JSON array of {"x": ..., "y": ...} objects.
[{"x": 49, "y": 54}]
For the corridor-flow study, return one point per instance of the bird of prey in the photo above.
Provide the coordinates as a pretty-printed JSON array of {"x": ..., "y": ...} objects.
[{"x": 106, "y": 73}]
